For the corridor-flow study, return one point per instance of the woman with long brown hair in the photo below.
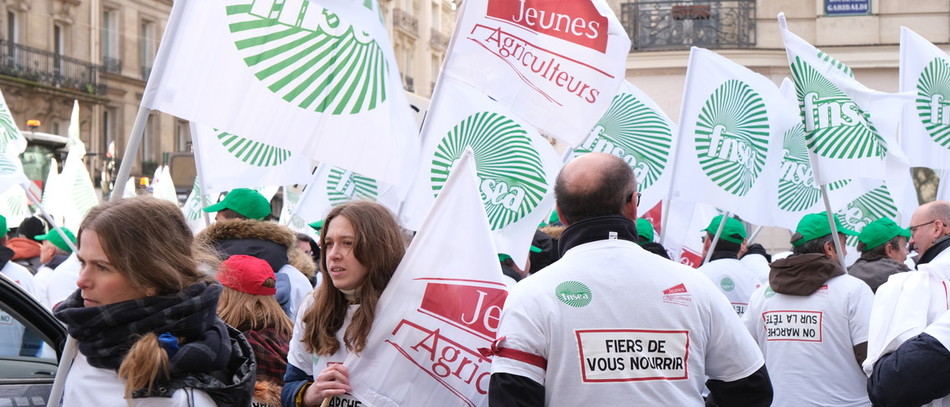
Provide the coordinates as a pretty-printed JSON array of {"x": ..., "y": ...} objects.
[
  {"x": 361, "y": 246},
  {"x": 144, "y": 315}
]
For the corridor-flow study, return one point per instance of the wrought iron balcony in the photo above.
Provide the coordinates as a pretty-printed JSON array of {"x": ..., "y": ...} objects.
[
  {"x": 670, "y": 25},
  {"x": 406, "y": 22},
  {"x": 48, "y": 68},
  {"x": 112, "y": 65}
]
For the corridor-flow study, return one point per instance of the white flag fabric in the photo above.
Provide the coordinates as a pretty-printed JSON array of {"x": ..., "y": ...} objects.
[
  {"x": 556, "y": 64},
  {"x": 14, "y": 206},
  {"x": 230, "y": 161},
  {"x": 516, "y": 166},
  {"x": 163, "y": 187},
  {"x": 313, "y": 77},
  {"x": 192, "y": 208},
  {"x": 74, "y": 186},
  {"x": 730, "y": 138},
  {"x": 683, "y": 235},
  {"x": 444, "y": 299},
  {"x": 925, "y": 128},
  {"x": 331, "y": 186},
  {"x": 848, "y": 126},
  {"x": 72, "y": 132},
  {"x": 10, "y": 138},
  {"x": 129, "y": 189},
  {"x": 943, "y": 189},
  {"x": 636, "y": 130},
  {"x": 288, "y": 213}
]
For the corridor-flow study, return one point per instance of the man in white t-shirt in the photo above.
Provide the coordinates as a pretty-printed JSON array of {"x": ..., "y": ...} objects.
[
  {"x": 811, "y": 322},
  {"x": 736, "y": 280},
  {"x": 612, "y": 324}
]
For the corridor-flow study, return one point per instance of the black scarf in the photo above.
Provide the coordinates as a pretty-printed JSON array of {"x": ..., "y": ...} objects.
[
  {"x": 106, "y": 333},
  {"x": 597, "y": 228},
  {"x": 938, "y": 246}
]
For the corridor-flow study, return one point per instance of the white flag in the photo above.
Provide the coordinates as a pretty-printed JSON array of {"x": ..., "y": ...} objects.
[
  {"x": 14, "y": 206},
  {"x": 730, "y": 138},
  {"x": 10, "y": 138},
  {"x": 230, "y": 161},
  {"x": 516, "y": 166},
  {"x": 636, "y": 130},
  {"x": 925, "y": 128},
  {"x": 557, "y": 64},
  {"x": 193, "y": 205},
  {"x": 315, "y": 77},
  {"x": 74, "y": 186},
  {"x": 288, "y": 213},
  {"x": 129, "y": 189},
  {"x": 850, "y": 128},
  {"x": 75, "y": 143},
  {"x": 442, "y": 305},
  {"x": 331, "y": 186},
  {"x": 682, "y": 238},
  {"x": 163, "y": 187}
]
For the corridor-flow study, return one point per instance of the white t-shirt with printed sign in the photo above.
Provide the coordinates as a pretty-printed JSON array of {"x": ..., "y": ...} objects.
[
  {"x": 313, "y": 364},
  {"x": 619, "y": 325},
  {"x": 808, "y": 342},
  {"x": 735, "y": 279}
]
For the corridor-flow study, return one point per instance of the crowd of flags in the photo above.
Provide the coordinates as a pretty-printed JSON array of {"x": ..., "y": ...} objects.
[{"x": 272, "y": 88}]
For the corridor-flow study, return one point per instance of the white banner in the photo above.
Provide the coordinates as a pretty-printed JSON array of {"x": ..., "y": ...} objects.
[
  {"x": 315, "y": 77},
  {"x": 850, "y": 128},
  {"x": 331, "y": 186},
  {"x": 442, "y": 305},
  {"x": 636, "y": 130},
  {"x": 230, "y": 161},
  {"x": 730, "y": 138},
  {"x": 925, "y": 128},
  {"x": 557, "y": 64},
  {"x": 516, "y": 166}
]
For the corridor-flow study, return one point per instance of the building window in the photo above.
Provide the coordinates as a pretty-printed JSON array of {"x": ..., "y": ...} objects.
[
  {"x": 679, "y": 24},
  {"x": 108, "y": 129},
  {"x": 182, "y": 136},
  {"x": 110, "y": 41},
  {"x": 147, "y": 47},
  {"x": 59, "y": 50},
  {"x": 147, "y": 145}
]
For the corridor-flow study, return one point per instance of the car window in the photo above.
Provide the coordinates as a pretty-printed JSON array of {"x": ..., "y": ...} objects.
[{"x": 24, "y": 353}]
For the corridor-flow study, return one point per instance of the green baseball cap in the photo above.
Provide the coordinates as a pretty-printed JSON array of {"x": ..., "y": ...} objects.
[
  {"x": 244, "y": 201},
  {"x": 815, "y": 225},
  {"x": 316, "y": 225},
  {"x": 880, "y": 231},
  {"x": 54, "y": 237},
  {"x": 645, "y": 229},
  {"x": 3, "y": 226},
  {"x": 733, "y": 231}
]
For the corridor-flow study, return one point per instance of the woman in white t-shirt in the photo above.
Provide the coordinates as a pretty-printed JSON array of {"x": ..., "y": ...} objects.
[{"x": 361, "y": 246}]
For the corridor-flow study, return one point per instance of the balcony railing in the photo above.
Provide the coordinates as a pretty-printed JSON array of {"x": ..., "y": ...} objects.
[
  {"x": 112, "y": 65},
  {"x": 670, "y": 25},
  {"x": 406, "y": 22},
  {"x": 48, "y": 68},
  {"x": 438, "y": 40}
]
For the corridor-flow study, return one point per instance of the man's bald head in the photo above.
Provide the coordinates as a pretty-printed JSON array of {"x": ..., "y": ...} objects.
[{"x": 594, "y": 184}]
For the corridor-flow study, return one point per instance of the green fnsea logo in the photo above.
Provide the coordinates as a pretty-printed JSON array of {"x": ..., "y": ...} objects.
[
  {"x": 933, "y": 100},
  {"x": 874, "y": 204},
  {"x": 573, "y": 293},
  {"x": 252, "y": 152},
  {"x": 727, "y": 284},
  {"x": 511, "y": 176},
  {"x": 8, "y": 129},
  {"x": 634, "y": 132},
  {"x": 308, "y": 55},
  {"x": 797, "y": 189},
  {"x": 732, "y": 135},
  {"x": 835, "y": 126},
  {"x": 345, "y": 186}
]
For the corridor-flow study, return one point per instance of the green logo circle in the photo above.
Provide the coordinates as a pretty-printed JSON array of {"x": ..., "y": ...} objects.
[
  {"x": 634, "y": 132},
  {"x": 874, "y": 204},
  {"x": 797, "y": 189},
  {"x": 933, "y": 100},
  {"x": 309, "y": 56},
  {"x": 835, "y": 126},
  {"x": 511, "y": 176},
  {"x": 252, "y": 152},
  {"x": 732, "y": 136},
  {"x": 573, "y": 293},
  {"x": 769, "y": 293},
  {"x": 345, "y": 186},
  {"x": 8, "y": 129},
  {"x": 727, "y": 284}
]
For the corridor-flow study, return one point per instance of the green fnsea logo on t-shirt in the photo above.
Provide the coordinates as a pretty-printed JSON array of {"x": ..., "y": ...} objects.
[
  {"x": 727, "y": 284},
  {"x": 573, "y": 293}
]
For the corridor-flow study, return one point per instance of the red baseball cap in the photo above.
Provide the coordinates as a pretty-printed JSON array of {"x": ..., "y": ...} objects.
[{"x": 246, "y": 274}]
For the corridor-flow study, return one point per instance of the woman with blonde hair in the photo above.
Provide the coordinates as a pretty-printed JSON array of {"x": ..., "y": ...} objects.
[
  {"x": 361, "y": 246},
  {"x": 144, "y": 316},
  {"x": 247, "y": 303}
]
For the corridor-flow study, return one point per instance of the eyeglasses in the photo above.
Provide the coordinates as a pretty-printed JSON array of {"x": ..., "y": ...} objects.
[
  {"x": 629, "y": 197},
  {"x": 914, "y": 228}
]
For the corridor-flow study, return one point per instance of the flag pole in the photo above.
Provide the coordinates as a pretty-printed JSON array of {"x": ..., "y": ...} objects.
[
  {"x": 193, "y": 128},
  {"x": 712, "y": 245},
  {"x": 675, "y": 154},
  {"x": 827, "y": 202},
  {"x": 755, "y": 233},
  {"x": 128, "y": 157}
]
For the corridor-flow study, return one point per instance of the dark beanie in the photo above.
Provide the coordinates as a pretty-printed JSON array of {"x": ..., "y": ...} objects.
[{"x": 31, "y": 227}]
